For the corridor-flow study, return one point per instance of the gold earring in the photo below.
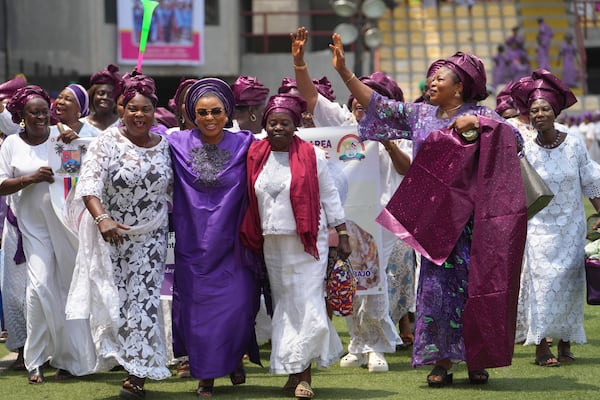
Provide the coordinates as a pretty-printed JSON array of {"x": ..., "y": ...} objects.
[
  {"x": 252, "y": 117},
  {"x": 456, "y": 94},
  {"x": 22, "y": 123},
  {"x": 78, "y": 115}
]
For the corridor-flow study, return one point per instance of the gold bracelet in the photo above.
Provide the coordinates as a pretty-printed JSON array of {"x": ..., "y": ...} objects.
[
  {"x": 299, "y": 67},
  {"x": 22, "y": 185},
  {"x": 349, "y": 79},
  {"x": 344, "y": 232}
]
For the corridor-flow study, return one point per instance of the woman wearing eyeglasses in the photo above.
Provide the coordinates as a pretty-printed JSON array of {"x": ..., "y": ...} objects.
[{"x": 216, "y": 280}]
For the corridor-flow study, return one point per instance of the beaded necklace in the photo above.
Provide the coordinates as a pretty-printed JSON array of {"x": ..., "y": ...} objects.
[{"x": 552, "y": 145}]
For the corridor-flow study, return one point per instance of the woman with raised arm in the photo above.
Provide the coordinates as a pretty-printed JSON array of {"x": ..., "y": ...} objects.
[{"x": 455, "y": 299}]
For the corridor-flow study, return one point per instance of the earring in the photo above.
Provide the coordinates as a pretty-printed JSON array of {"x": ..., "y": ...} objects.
[
  {"x": 78, "y": 115},
  {"x": 252, "y": 117},
  {"x": 181, "y": 120},
  {"x": 22, "y": 123},
  {"x": 456, "y": 94}
]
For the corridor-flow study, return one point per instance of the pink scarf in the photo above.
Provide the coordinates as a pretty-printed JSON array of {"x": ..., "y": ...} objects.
[{"x": 304, "y": 194}]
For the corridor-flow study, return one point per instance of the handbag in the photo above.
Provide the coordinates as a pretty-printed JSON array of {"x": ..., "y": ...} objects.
[
  {"x": 340, "y": 287},
  {"x": 537, "y": 193},
  {"x": 592, "y": 278}
]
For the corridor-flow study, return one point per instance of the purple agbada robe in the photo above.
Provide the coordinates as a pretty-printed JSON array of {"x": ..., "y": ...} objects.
[
  {"x": 461, "y": 315},
  {"x": 216, "y": 279}
]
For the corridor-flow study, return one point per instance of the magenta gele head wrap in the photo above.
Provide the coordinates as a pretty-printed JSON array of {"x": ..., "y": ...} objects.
[
  {"x": 142, "y": 84},
  {"x": 218, "y": 88},
  {"x": 83, "y": 99},
  {"x": 504, "y": 99},
  {"x": 519, "y": 91},
  {"x": 177, "y": 99},
  {"x": 471, "y": 72},
  {"x": 550, "y": 88},
  {"x": 8, "y": 88},
  {"x": 433, "y": 68},
  {"x": 288, "y": 103},
  {"x": 382, "y": 84},
  {"x": 325, "y": 88},
  {"x": 287, "y": 85},
  {"x": 17, "y": 102},
  {"x": 249, "y": 91},
  {"x": 109, "y": 76}
]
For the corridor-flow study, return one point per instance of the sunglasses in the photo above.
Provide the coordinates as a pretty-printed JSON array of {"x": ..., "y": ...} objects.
[{"x": 203, "y": 112}]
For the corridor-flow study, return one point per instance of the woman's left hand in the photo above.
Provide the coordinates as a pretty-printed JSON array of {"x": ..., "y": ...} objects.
[{"x": 344, "y": 249}]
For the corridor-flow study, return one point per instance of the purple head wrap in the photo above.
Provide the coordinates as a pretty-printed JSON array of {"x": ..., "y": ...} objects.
[
  {"x": 139, "y": 83},
  {"x": 433, "y": 68},
  {"x": 471, "y": 73},
  {"x": 249, "y": 91},
  {"x": 17, "y": 102},
  {"x": 213, "y": 86},
  {"x": 324, "y": 87},
  {"x": 83, "y": 99},
  {"x": 177, "y": 100},
  {"x": 287, "y": 85},
  {"x": 544, "y": 85},
  {"x": 8, "y": 88},
  {"x": 286, "y": 103},
  {"x": 504, "y": 100},
  {"x": 382, "y": 84},
  {"x": 109, "y": 76}
]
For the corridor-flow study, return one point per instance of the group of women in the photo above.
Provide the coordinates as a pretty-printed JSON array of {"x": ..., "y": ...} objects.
[{"x": 245, "y": 209}]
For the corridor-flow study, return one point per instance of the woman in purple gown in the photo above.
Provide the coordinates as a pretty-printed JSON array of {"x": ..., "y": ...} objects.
[
  {"x": 467, "y": 294},
  {"x": 216, "y": 281},
  {"x": 568, "y": 58}
]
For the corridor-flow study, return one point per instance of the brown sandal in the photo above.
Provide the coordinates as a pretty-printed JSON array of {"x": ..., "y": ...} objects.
[{"x": 132, "y": 391}]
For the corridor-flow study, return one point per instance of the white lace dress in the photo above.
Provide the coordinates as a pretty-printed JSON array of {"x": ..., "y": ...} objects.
[
  {"x": 133, "y": 184},
  {"x": 553, "y": 279}
]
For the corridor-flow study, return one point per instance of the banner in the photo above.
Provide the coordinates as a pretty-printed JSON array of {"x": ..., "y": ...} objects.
[
  {"x": 65, "y": 160},
  {"x": 176, "y": 35},
  {"x": 355, "y": 164}
]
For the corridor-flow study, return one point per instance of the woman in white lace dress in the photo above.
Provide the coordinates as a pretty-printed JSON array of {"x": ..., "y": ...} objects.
[
  {"x": 125, "y": 184},
  {"x": 553, "y": 273}
]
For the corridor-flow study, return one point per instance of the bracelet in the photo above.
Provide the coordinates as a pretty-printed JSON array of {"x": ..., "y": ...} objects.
[
  {"x": 349, "y": 79},
  {"x": 21, "y": 181},
  {"x": 343, "y": 233},
  {"x": 101, "y": 217},
  {"x": 300, "y": 67}
]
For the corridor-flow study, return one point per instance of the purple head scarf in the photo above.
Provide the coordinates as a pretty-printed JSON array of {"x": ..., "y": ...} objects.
[
  {"x": 433, "y": 68},
  {"x": 504, "y": 99},
  {"x": 324, "y": 87},
  {"x": 17, "y": 102},
  {"x": 471, "y": 72},
  {"x": 286, "y": 103},
  {"x": 213, "y": 86},
  {"x": 249, "y": 91},
  {"x": 544, "y": 85},
  {"x": 83, "y": 99},
  {"x": 8, "y": 88},
  {"x": 109, "y": 76},
  {"x": 142, "y": 84},
  {"x": 382, "y": 84},
  {"x": 177, "y": 100}
]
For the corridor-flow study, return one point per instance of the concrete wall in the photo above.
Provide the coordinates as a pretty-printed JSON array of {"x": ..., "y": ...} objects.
[{"x": 73, "y": 35}]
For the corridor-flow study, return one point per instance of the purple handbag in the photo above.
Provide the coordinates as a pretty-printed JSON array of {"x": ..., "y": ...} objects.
[{"x": 592, "y": 277}]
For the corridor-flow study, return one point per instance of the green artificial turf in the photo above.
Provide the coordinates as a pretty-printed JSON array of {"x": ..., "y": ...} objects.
[{"x": 523, "y": 380}]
